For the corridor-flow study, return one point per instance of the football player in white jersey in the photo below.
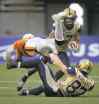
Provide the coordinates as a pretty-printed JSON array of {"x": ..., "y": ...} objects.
[
  {"x": 74, "y": 85},
  {"x": 45, "y": 47},
  {"x": 67, "y": 27}
]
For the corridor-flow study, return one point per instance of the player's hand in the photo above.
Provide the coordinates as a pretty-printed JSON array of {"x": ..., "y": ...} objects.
[{"x": 73, "y": 46}]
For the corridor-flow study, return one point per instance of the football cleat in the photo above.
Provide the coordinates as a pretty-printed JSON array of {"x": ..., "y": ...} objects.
[{"x": 24, "y": 92}]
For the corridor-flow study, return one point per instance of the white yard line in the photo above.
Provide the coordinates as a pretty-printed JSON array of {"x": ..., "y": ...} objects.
[
  {"x": 7, "y": 81},
  {"x": 11, "y": 88},
  {"x": 94, "y": 76}
]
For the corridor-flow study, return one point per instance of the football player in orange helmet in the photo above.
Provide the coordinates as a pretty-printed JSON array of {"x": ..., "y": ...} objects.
[
  {"x": 19, "y": 44},
  {"x": 18, "y": 49}
]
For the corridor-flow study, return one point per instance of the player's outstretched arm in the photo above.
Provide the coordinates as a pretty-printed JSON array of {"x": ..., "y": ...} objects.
[{"x": 55, "y": 59}]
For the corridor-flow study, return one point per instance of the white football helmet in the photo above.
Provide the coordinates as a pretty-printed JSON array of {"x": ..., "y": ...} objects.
[
  {"x": 27, "y": 36},
  {"x": 79, "y": 10}
]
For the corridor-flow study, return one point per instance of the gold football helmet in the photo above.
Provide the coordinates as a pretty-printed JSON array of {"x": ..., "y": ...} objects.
[
  {"x": 69, "y": 18},
  {"x": 69, "y": 13},
  {"x": 85, "y": 65}
]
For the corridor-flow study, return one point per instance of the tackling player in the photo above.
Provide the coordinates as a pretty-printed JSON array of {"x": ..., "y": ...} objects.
[
  {"x": 66, "y": 34},
  {"x": 47, "y": 49}
]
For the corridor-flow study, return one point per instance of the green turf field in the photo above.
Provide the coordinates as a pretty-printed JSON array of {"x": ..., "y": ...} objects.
[{"x": 8, "y": 93}]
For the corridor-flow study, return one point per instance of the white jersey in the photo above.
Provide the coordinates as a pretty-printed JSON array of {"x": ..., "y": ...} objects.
[
  {"x": 43, "y": 46},
  {"x": 77, "y": 86},
  {"x": 72, "y": 86},
  {"x": 60, "y": 31}
]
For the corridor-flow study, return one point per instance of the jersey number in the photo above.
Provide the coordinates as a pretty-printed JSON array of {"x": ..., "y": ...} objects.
[{"x": 72, "y": 88}]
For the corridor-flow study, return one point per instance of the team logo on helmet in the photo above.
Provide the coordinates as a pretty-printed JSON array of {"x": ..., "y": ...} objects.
[{"x": 70, "y": 13}]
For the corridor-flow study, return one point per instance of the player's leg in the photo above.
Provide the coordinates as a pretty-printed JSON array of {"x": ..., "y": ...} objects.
[
  {"x": 33, "y": 91},
  {"x": 32, "y": 64},
  {"x": 37, "y": 90},
  {"x": 47, "y": 79},
  {"x": 24, "y": 78},
  {"x": 36, "y": 60},
  {"x": 44, "y": 88}
]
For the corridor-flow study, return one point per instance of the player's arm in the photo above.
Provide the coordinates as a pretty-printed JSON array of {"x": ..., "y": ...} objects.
[
  {"x": 8, "y": 57},
  {"x": 51, "y": 34},
  {"x": 74, "y": 44},
  {"x": 58, "y": 25},
  {"x": 76, "y": 38},
  {"x": 56, "y": 60},
  {"x": 8, "y": 52},
  {"x": 58, "y": 16}
]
